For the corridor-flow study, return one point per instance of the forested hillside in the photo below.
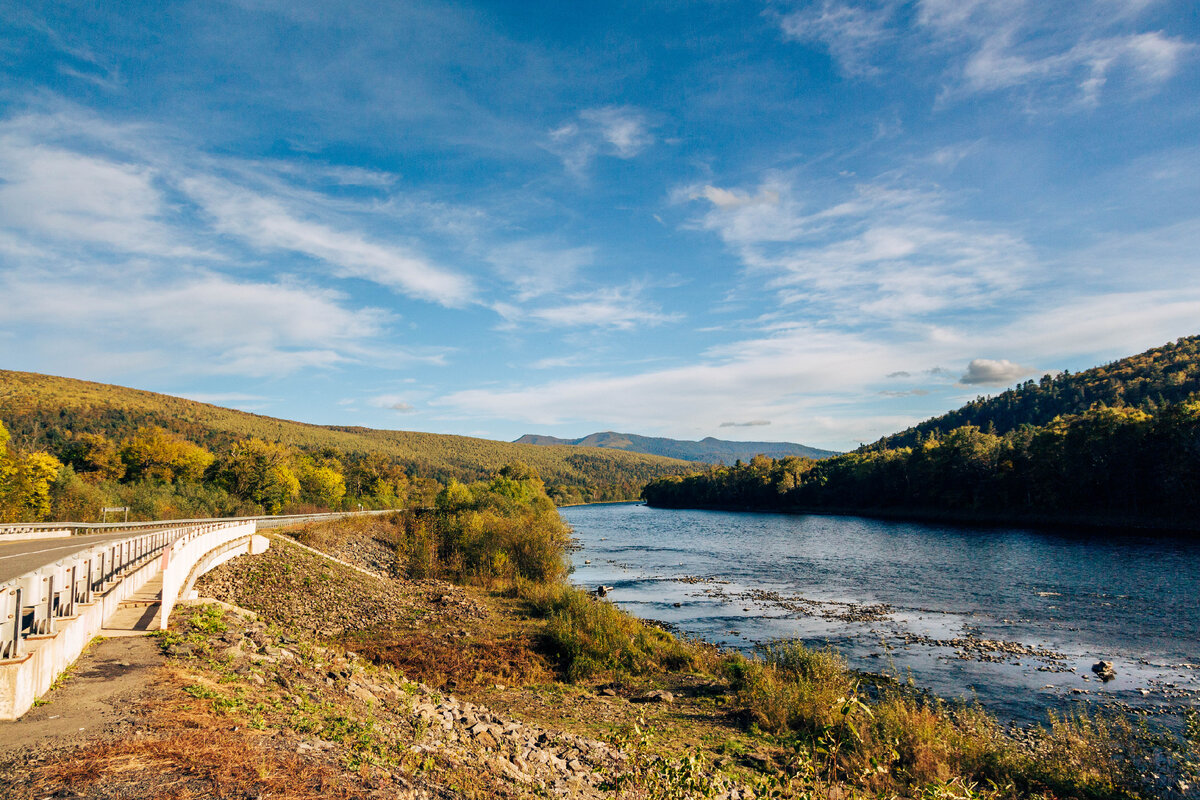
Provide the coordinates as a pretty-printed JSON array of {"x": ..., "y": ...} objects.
[
  {"x": 1156, "y": 378},
  {"x": 707, "y": 450},
  {"x": 1124, "y": 464},
  {"x": 166, "y": 455}
]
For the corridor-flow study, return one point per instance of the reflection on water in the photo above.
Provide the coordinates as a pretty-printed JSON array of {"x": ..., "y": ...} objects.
[{"x": 1013, "y": 617}]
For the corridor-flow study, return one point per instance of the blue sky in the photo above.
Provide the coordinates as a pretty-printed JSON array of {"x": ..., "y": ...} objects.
[{"x": 815, "y": 222}]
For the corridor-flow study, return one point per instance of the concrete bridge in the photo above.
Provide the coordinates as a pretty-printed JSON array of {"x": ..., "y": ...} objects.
[{"x": 63, "y": 584}]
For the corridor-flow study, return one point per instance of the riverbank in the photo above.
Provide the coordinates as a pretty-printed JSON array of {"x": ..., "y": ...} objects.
[{"x": 335, "y": 683}]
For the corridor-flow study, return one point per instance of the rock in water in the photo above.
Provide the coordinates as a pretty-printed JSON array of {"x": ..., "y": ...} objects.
[{"x": 1104, "y": 670}]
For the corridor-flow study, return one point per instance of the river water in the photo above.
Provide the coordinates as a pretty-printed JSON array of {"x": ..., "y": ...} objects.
[{"x": 1014, "y": 618}]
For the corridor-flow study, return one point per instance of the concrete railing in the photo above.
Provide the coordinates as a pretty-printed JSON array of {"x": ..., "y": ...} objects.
[{"x": 48, "y": 615}]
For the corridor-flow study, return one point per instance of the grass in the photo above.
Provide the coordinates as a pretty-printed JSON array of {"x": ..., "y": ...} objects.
[
  {"x": 586, "y": 637},
  {"x": 507, "y": 658}
]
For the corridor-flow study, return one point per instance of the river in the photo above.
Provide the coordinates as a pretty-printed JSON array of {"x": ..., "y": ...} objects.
[{"x": 1014, "y": 618}]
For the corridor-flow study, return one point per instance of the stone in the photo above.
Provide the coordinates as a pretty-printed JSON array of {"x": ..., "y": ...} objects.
[
  {"x": 656, "y": 696},
  {"x": 1104, "y": 670}
]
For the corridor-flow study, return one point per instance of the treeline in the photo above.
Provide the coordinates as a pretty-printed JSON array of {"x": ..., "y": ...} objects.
[
  {"x": 1117, "y": 464},
  {"x": 161, "y": 475},
  {"x": 1149, "y": 381}
]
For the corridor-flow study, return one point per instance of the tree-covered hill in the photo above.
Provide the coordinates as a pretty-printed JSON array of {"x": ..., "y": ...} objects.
[
  {"x": 1129, "y": 457},
  {"x": 707, "y": 450},
  {"x": 1159, "y": 377},
  {"x": 64, "y": 417}
]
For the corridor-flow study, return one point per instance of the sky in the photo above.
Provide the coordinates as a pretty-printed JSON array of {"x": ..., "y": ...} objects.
[{"x": 809, "y": 222}]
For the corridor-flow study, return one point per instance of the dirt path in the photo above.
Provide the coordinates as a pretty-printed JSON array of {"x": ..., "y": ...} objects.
[{"x": 101, "y": 697}]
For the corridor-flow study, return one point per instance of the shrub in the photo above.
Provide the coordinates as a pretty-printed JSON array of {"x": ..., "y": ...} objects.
[{"x": 586, "y": 636}]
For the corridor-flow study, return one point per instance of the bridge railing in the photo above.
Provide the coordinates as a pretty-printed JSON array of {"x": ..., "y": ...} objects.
[
  {"x": 30, "y": 604},
  {"x": 81, "y": 528}
]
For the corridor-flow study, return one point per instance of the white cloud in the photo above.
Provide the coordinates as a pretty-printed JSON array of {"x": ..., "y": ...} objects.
[
  {"x": 992, "y": 45},
  {"x": 617, "y": 131},
  {"x": 615, "y": 308},
  {"x": 53, "y": 192},
  {"x": 393, "y": 403},
  {"x": 754, "y": 423},
  {"x": 1009, "y": 43},
  {"x": 886, "y": 251},
  {"x": 556, "y": 362},
  {"x": 266, "y": 223},
  {"x": 624, "y": 129},
  {"x": 793, "y": 376},
  {"x": 851, "y": 33},
  {"x": 538, "y": 267},
  {"x": 197, "y": 323},
  {"x": 988, "y": 372}
]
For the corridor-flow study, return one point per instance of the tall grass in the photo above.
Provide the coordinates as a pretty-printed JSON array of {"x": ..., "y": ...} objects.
[
  {"x": 890, "y": 739},
  {"x": 587, "y": 637}
]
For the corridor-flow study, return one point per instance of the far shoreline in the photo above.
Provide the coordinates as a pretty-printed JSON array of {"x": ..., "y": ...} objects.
[{"x": 1129, "y": 526}]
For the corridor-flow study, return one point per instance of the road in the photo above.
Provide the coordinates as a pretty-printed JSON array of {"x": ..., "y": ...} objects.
[{"x": 17, "y": 558}]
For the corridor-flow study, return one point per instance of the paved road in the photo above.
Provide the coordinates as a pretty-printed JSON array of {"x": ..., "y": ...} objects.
[{"x": 17, "y": 558}]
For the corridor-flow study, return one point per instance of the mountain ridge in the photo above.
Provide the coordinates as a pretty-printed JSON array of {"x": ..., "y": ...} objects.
[{"x": 709, "y": 450}]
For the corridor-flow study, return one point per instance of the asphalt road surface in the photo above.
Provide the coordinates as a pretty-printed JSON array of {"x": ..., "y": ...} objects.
[{"x": 17, "y": 558}]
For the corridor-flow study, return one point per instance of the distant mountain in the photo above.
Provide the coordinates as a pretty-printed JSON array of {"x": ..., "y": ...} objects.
[
  {"x": 708, "y": 450},
  {"x": 1157, "y": 378}
]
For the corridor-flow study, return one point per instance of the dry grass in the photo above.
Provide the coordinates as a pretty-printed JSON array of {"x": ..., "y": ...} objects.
[
  {"x": 455, "y": 663},
  {"x": 191, "y": 764}
]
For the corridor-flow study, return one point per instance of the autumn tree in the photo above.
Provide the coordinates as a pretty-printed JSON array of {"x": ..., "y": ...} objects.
[
  {"x": 157, "y": 455},
  {"x": 94, "y": 457},
  {"x": 258, "y": 472}
]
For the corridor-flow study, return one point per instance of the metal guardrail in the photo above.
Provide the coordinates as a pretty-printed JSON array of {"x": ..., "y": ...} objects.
[
  {"x": 266, "y": 521},
  {"x": 30, "y": 603}
]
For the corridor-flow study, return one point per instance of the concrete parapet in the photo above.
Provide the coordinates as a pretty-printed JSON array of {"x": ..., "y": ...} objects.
[
  {"x": 185, "y": 557},
  {"x": 27, "y": 678},
  {"x": 193, "y": 552}
]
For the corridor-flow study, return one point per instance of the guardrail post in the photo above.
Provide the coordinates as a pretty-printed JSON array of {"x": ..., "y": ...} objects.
[
  {"x": 68, "y": 608},
  {"x": 10, "y": 622}
]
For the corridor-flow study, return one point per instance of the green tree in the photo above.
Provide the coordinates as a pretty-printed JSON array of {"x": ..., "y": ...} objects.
[
  {"x": 258, "y": 472},
  {"x": 320, "y": 485}
]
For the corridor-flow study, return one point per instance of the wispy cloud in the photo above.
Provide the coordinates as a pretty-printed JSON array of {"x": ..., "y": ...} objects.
[
  {"x": 1011, "y": 44},
  {"x": 754, "y": 423},
  {"x": 851, "y": 33},
  {"x": 617, "y": 131},
  {"x": 615, "y": 308},
  {"x": 886, "y": 250},
  {"x": 198, "y": 323},
  {"x": 266, "y": 223},
  {"x": 393, "y": 403},
  {"x": 538, "y": 266},
  {"x": 52, "y": 192},
  {"x": 1053, "y": 49}
]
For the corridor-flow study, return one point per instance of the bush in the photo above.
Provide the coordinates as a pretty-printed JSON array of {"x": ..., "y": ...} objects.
[{"x": 586, "y": 636}]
